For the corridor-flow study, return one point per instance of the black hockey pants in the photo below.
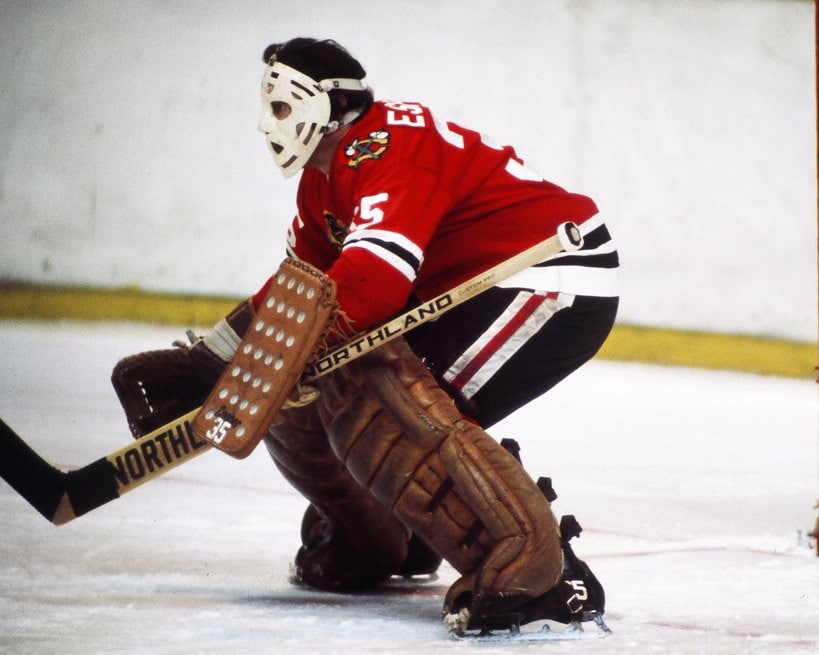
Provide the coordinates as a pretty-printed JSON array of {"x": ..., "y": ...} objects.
[{"x": 506, "y": 347}]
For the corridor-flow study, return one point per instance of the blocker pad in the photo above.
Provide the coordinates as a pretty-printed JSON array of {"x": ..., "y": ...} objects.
[{"x": 284, "y": 335}]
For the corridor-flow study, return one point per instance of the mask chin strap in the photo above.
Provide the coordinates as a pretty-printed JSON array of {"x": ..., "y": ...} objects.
[{"x": 342, "y": 84}]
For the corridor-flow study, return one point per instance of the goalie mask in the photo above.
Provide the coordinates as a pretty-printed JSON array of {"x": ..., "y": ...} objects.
[{"x": 296, "y": 113}]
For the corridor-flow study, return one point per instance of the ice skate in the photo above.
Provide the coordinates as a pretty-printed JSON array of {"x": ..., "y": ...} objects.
[{"x": 577, "y": 599}]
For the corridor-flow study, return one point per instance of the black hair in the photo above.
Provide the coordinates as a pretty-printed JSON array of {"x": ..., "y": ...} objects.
[{"x": 322, "y": 59}]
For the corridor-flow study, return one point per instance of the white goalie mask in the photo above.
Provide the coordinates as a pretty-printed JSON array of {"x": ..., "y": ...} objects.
[{"x": 296, "y": 113}]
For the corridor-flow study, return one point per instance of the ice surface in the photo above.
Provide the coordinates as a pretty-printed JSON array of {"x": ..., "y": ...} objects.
[{"x": 695, "y": 490}]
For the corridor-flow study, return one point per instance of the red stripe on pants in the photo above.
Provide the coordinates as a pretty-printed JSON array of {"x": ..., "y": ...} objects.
[{"x": 495, "y": 343}]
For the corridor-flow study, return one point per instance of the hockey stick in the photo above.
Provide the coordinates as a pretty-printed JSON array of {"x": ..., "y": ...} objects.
[{"x": 63, "y": 496}]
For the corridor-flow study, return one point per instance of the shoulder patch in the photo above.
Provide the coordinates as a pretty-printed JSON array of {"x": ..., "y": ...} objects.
[
  {"x": 373, "y": 147},
  {"x": 336, "y": 232}
]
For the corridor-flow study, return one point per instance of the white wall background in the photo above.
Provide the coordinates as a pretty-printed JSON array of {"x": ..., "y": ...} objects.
[{"x": 129, "y": 153}]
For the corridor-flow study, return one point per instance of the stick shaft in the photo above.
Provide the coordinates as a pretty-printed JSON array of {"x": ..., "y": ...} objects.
[{"x": 431, "y": 309}]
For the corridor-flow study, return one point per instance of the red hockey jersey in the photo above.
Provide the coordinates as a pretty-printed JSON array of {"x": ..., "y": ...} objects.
[{"x": 413, "y": 206}]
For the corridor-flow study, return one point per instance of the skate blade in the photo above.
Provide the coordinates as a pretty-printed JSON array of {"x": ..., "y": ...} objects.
[{"x": 572, "y": 632}]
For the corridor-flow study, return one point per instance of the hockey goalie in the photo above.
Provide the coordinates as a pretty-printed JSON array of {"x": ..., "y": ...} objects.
[{"x": 390, "y": 449}]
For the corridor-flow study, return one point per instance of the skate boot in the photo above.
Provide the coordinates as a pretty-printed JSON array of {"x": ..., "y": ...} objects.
[
  {"x": 421, "y": 562},
  {"x": 324, "y": 561},
  {"x": 577, "y": 598}
]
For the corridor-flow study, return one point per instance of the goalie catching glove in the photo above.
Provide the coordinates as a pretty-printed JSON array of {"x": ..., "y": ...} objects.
[
  {"x": 267, "y": 351},
  {"x": 159, "y": 386}
]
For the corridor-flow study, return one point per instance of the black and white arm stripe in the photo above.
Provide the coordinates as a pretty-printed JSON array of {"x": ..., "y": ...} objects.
[
  {"x": 590, "y": 271},
  {"x": 598, "y": 249},
  {"x": 393, "y": 248}
]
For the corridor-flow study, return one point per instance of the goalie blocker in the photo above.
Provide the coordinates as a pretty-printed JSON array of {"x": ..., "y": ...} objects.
[{"x": 288, "y": 328}]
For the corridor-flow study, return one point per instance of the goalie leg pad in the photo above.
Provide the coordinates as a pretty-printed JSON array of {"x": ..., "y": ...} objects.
[
  {"x": 513, "y": 510},
  {"x": 402, "y": 438},
  {"x": 351, "y": 542}
]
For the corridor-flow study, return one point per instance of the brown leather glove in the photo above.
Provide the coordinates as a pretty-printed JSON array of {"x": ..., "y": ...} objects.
[{"x": 158, "y": 386}]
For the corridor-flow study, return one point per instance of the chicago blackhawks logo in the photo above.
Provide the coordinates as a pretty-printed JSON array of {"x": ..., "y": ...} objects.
[{"x": 373, "y": 147}]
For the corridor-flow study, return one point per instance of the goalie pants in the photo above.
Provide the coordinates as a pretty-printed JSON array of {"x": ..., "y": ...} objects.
[{"x": 506, "y": 347}]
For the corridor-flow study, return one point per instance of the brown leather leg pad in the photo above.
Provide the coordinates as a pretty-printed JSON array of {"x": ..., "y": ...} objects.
[
  {"x": 364, "y": 531},
  {"x": 402, "y": 438}
]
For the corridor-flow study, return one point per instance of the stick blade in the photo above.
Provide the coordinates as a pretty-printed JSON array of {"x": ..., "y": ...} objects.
[
  {"x": 42, "y": 485},
  {"x": 57, "y": 495}
]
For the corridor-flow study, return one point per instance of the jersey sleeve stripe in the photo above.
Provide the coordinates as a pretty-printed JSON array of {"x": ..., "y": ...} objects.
[
  {"x": 592, "y": 259},
  {"x": 396, "y": 238},
  {"x": 598, "y": 251},
  {"x": 392, "y": 247},
  {"x": 390, "y": 255}
]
